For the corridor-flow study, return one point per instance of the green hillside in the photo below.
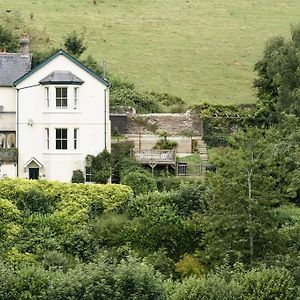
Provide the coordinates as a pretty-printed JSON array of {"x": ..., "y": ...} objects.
[{"x": 201, "y": 50}]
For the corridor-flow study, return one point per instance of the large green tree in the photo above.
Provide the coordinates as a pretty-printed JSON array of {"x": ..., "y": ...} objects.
[
  {"x": 278, "y": 78},
  {"x": 240, "y": 222}
]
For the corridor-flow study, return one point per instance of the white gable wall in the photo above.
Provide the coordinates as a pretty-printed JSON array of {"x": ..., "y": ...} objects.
[{"x": 35, "y": 117}]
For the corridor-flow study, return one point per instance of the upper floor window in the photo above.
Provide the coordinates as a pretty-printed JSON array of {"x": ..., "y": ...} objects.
[
  {"x": 61, "y": 97},
  {"x": 61, "y": 138}
]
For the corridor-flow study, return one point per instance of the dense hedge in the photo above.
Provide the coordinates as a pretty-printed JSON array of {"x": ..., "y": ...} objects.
[{"x": 68, "y": 204}]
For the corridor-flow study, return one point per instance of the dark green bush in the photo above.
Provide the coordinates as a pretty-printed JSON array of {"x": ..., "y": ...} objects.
[
  {"x": 77, "y": 177},
  {"x": 139, "y": 182}
]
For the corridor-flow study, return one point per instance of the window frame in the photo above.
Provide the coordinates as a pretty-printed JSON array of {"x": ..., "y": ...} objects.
[
  {"x": 47, "y": 92},
  {"x": 88, "y": 174},
  {"x": 60, "y": 99},
  {"x": 76, "y": 93},
  {"x": 76, "y": 138},
  {"x": 47, "y": 133},
  {"x": 63, "y": 141}
]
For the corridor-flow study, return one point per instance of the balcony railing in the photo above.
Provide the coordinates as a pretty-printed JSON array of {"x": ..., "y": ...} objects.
[
  {"x": 155, "y": 156},
  {"x": 8, "y": 154}
]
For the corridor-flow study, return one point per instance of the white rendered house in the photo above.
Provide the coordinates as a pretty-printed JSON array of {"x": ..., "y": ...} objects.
[{"x": 61, "y": 115}]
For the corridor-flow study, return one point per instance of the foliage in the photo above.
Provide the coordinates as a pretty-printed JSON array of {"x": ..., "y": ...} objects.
[
  {"x": 164, "y": 143},
  {"x": 219, "y": 121},
  {"x": 74, "y": 43},
  {"x": 241, "y": 223},
  {"x": 189, "y": 266},
  {"x": 211, "y": 287},
  {"x": 40, "y": 56},
  {"x": 139, "y": 182},
  {"x": 120, "y": 152},
  {"x": 157, "y": 223},
  {"x": 278, "y": 78},
  {"x": 109, "y": 229},
  {"x": 268, "y": 284},
  {"x": 101, "y": 166},
  {"x": 124, "y": 94},
  {"x": 77, "y": 177},
  {"x": 8, "y": 41},
  {"x": 128, "y": 279}
]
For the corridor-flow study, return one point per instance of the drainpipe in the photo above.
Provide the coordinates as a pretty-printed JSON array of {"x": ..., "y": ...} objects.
[
  {"x": 105, "y": 119},
  {"x": 17, "y": 141}
]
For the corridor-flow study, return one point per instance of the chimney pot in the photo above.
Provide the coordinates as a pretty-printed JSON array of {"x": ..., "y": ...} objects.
[{"x": 24, "y": 44}]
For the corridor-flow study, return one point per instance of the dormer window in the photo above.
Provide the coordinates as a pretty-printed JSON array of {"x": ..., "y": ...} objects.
[{"x": 61, "y": 97}]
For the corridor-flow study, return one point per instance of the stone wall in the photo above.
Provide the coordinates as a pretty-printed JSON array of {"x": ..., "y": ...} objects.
[{"x": 173, "y": 124}]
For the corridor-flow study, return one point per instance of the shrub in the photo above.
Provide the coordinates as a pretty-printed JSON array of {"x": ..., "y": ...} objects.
[
  {"x": 139, "y": 182},
  {"x": 211, "y": 287},
  {"x": 188, "y": 266},
  {"x": 74, "y": 43},
  {"x": 268, "y": 284},
  {"x": 101, "y": 166},
  {"x": 77, "y": 177},
  {"x": 108, "y": 230}
]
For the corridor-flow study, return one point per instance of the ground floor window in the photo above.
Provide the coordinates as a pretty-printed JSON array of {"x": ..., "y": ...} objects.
[
  {"x": 61, "y": 138},
  {"x": 88, "y": 174}
]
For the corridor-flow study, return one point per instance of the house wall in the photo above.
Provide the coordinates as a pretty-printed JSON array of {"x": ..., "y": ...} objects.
[
  {"x": 7, "y": 109},
  {"x": 34, "y": 117}
]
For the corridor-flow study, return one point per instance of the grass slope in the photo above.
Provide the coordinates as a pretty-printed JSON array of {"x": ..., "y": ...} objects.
[{"x": 201, "y": 50}]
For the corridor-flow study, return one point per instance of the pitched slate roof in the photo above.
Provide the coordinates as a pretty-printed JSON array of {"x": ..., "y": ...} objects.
[
  {"x": 61, "y": 77},
  {"x": 12, "y": 67},
  {"x": 74, "y": 60}
]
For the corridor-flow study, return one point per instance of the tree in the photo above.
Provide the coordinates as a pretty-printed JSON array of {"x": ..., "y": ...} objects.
[
  {"x": 8, "y": 41},
  {"x": 74, "y": 43},
  {"x": 101, "y": 166},
  {"x": 240, "y": 221},
  {"x": 278, "y": 78}
]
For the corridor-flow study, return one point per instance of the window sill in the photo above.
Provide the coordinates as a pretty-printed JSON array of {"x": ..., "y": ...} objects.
[
  {"x": 62, "y": 111},
  {"x": 61, "y": 152}
]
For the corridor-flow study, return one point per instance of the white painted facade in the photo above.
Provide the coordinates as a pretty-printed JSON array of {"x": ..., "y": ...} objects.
[{"x": 84, "y": 121}]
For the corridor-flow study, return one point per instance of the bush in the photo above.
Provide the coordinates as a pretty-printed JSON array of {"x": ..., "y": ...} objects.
[
  {"x": 188, "y": 266},
  {"x": 211, "y": 287},
  {"x": 268, "y": 284},
  {"x": 109, "y": 230},
  {"x": 139, "y": 182},
  {"x": 77, "y": 177}
]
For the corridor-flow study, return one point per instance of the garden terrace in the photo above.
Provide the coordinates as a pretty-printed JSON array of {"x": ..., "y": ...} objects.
[{"x": 155, "y": 157}]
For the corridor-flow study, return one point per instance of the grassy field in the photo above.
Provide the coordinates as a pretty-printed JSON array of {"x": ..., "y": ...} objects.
[{"x": 201, "y": 50}]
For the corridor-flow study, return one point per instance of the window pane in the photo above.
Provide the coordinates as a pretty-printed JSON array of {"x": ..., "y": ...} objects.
[
  {"x": 64, "y": 144},
  {"x": 64, "y": 103},
  {"x": 58, "y": 144},
  {"x": 58, "y": 92},
  {"x": 58, "y": 133},
  {"x": 64, "y": 92},
  {"x": 64, "y": 133}
]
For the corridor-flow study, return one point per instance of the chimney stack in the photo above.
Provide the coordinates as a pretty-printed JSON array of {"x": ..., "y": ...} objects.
[{"x": 24, "y": 44}]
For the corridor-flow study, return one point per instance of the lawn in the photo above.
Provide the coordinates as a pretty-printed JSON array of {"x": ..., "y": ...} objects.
[{"x": 201, "y": 50}]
